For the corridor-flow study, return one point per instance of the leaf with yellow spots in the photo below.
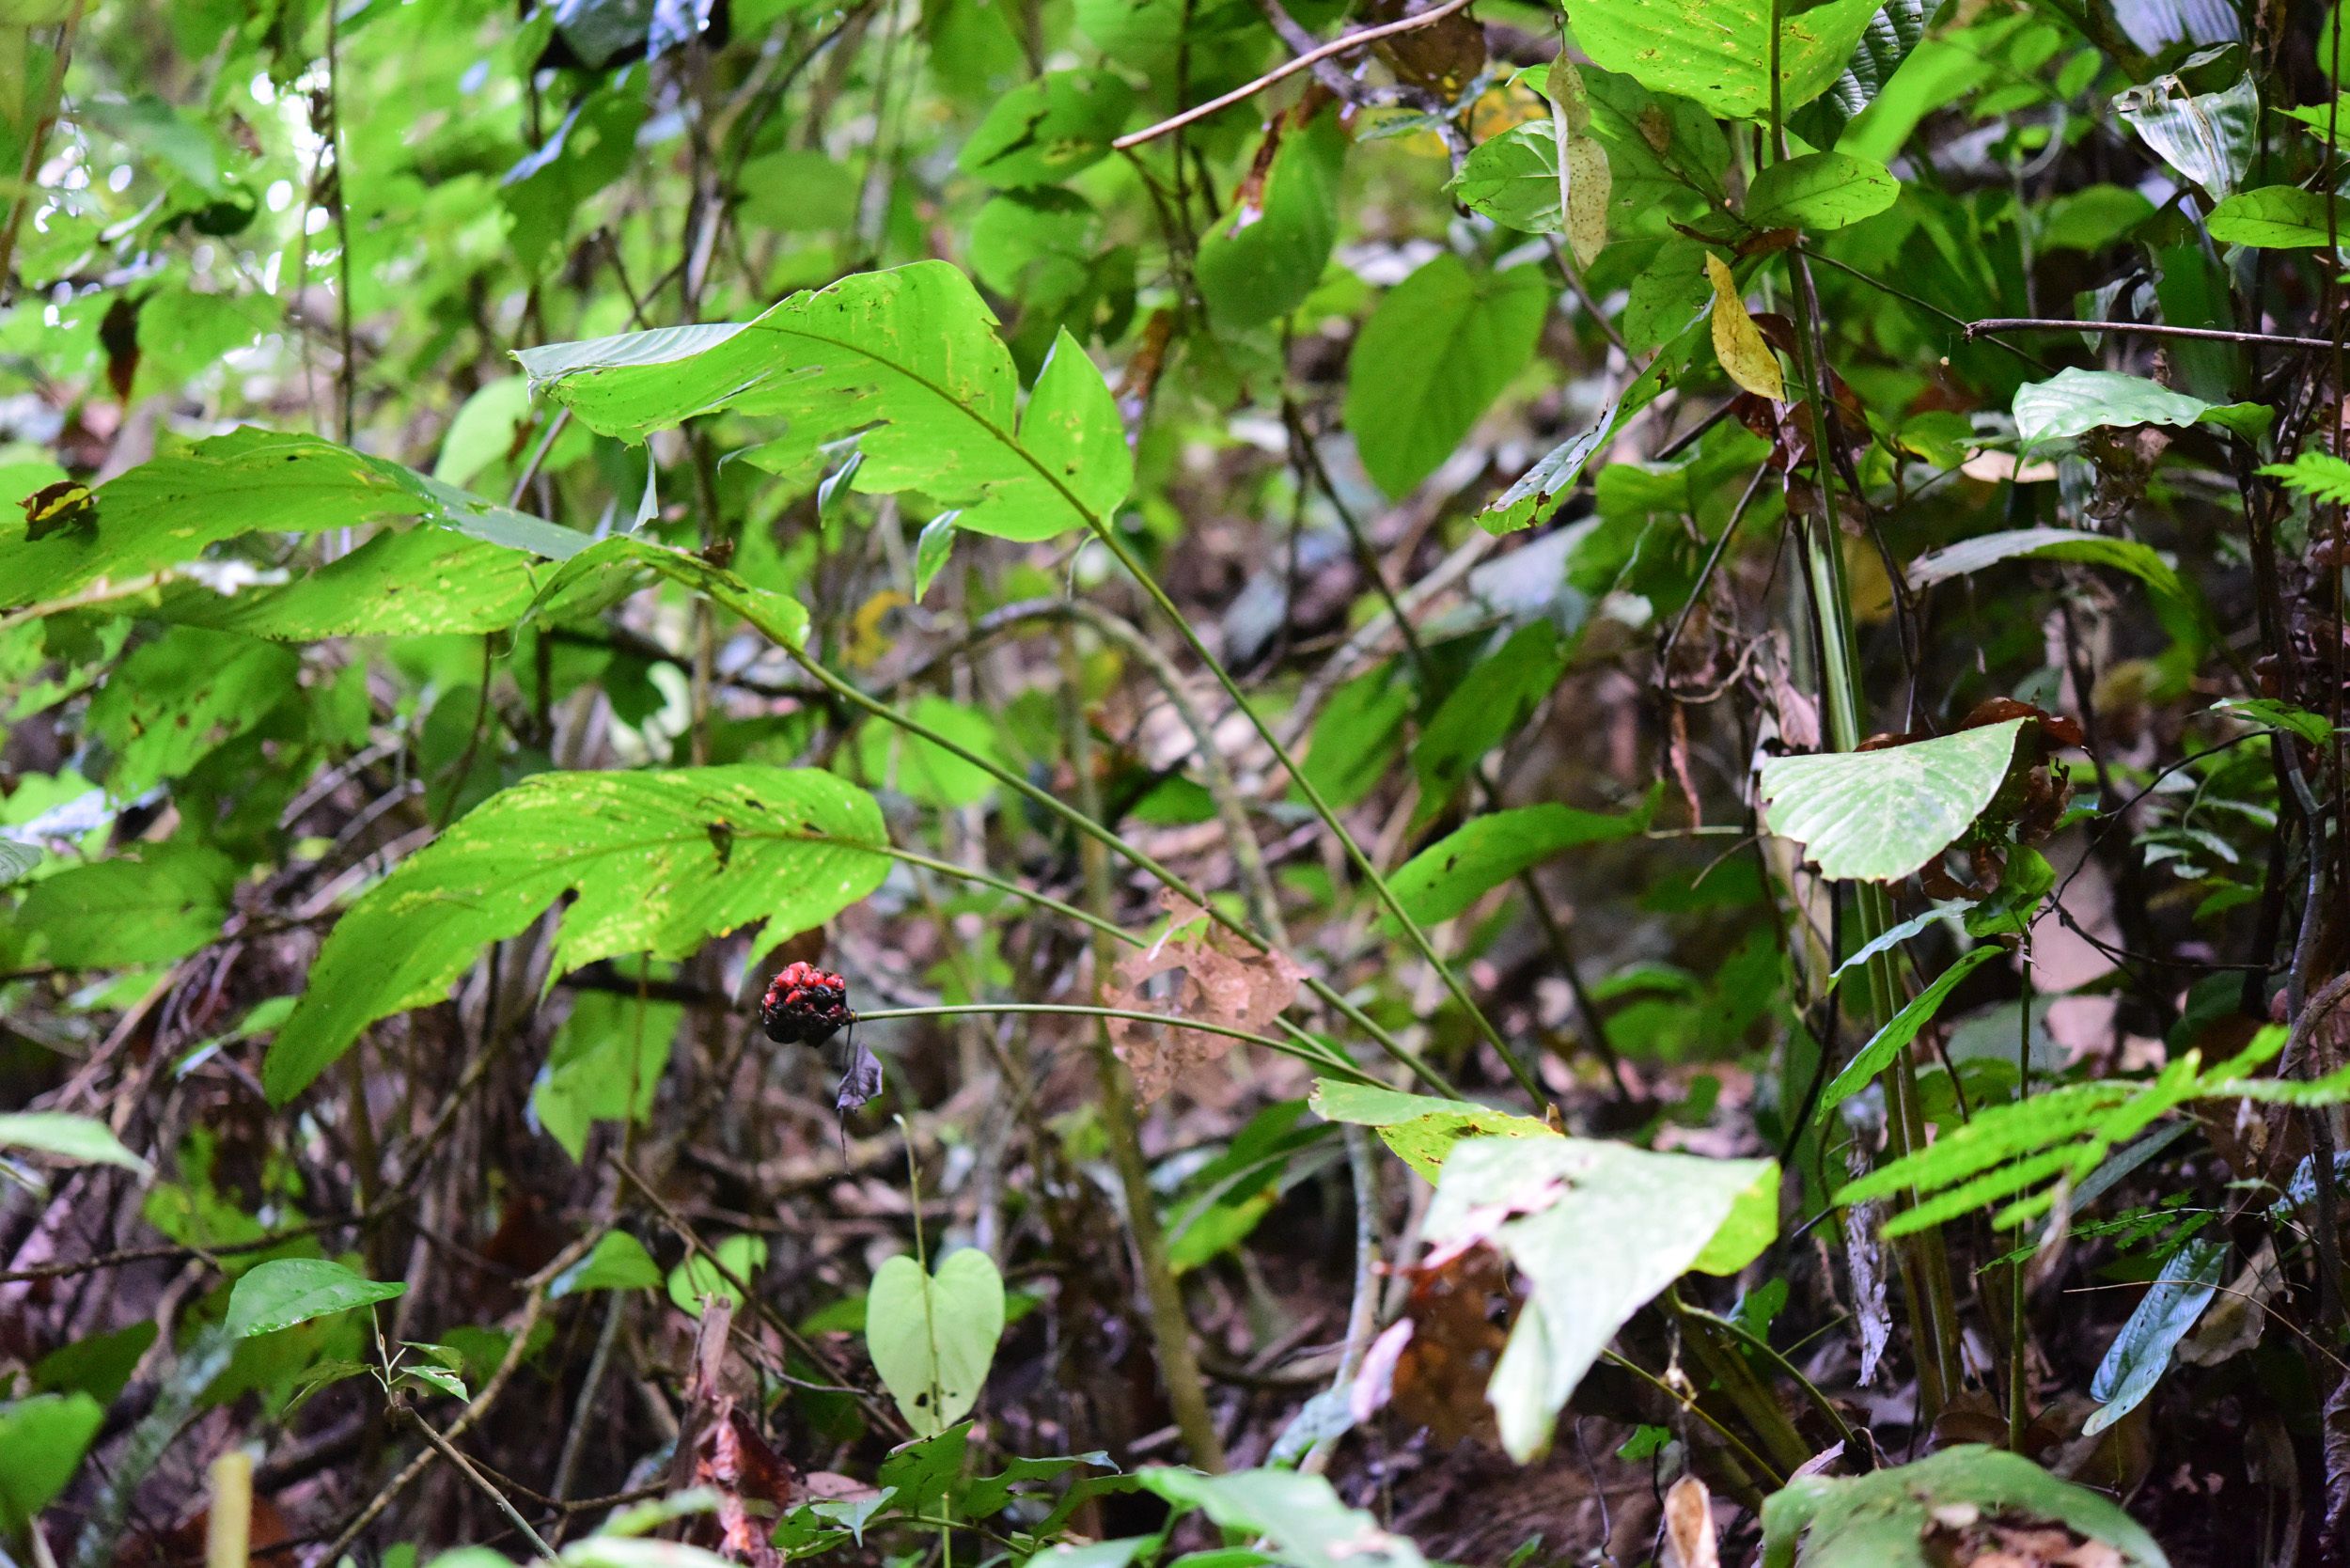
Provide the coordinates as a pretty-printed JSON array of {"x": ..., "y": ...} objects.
[
  {"x": 1737, "y": 342},
  {"x": 655, "y": 862}
]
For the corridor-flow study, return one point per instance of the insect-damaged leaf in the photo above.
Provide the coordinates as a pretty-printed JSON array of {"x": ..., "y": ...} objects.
[
  {"x": 1224, "y": 983},
  {"x": 661, "y": 861},
  {"x": 1737, "y": 342},
  {"x": 1950, "y": 1507},
  {"x": 932, "y": 1336}
]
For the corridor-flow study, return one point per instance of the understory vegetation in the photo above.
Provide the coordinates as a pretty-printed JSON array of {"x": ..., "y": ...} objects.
[{"x": 1173, "y": 783}]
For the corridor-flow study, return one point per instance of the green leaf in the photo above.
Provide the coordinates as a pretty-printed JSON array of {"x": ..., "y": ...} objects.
[
  {"x": 618, "y": 1261},
  {"x": 2148, "y": 565},
  {"x": 2275, "y": 217},
  {"x": 1820, "y": 190},
  {"x": 908, "y": 362},
  {"x": 2078, "y": 401},
  {"x": 402, "y": 582},
  {"x": 41, "y": 1443},
  {"x": 1886, "y": 1519},
  {"x": 287, "y": 1290},
  {"x": 176, "y": 698},
  {"x": 1421, "y": 1130},
  {"x": 2319, "y": 476},
  {"x": 661, "y": 861},
  {"x": 932, "y": 1336},
  {"x": 1480, "y": 854},
  {"x": 1045, "y": 130},
  {"x": 1434, "y": 354},
  {"x": 75, "y": 1139},
  {"x": 2209, "y": 137},
  {"x": 16, "y": 859},
  {"x": 163, "y": 904},
  {"x": 1261, "y": 256},
  {"x": 168, "y": 512},
  {"x": 1718, "y": 51},
  {"x": 1513, "y": 180},
  {"x": 483, "y": 431},
  {"x": 1598, "y": 1229},
  {"x": 740, "y": 1256},
  {"x": 611, "y": 568},
  {"x": 888, "y": 755},
  {"x": 2166, "y": 1314},
  {"x": 1876, "y": 816},
  {"x": 1899, "y": 1030},
  {"x": 2316, "y": 729},
  {"x": 1492, "y": 701},
  {"x": 606, "y": 1065},
  {"x": 1301, "y": 1515}
]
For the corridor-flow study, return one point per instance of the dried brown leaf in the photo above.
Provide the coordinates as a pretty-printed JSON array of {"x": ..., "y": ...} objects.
[{"x": 1224, "y": 983}]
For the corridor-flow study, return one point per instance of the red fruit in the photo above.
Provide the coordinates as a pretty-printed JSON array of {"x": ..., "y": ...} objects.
[{"x": 805, "y": 1006}]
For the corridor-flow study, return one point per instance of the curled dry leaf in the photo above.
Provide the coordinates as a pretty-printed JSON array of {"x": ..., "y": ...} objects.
[
  {"x": 1459, "y": 1317},
  {"x": 1689, "y": 1539},
  {"x": 1224, "y": 983}
]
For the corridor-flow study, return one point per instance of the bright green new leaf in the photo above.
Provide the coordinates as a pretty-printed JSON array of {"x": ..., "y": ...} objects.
[
  {"x": 1887, "y": 1518},
  {"x": 1480, "y": 854},
  {"x": 2147, "y": 564},
  {"x": 932, "y": 1336},
  {"x": 1718, "y": 52},
  {"x": 2166, "y": 1314},
  {"x": 287, "y": 1290},
  {"x": 1820, "y": 190},
  {"x": 1430, "y": 360},
  {"x": 661, "y": 861},
  {"x": 483, "y": 431},
  {"x": 41, "y": 1443},
  {"x": 1422, "y": 1129},
  {"x": 734, "y": 1257},
  {"x": 606, "y": 1065},
  {"x": 1045, "y": 130},
  {"x": 908, "y": 361},
  {"x": 75, "y": 1139},
  {"x": 1899, "y": 1030},
  {"x": 2078, "y": 401},
  {"x": 618, "y": 1261},
  {"x": 1876, "y": 816},
  {"x": 1300, "y": 1515},
  {"x": 1598, "y": 1229},
  {"x": 2277, "y": 217}
]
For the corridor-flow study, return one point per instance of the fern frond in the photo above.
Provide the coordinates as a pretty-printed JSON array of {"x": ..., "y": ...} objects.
[{"x": 2319, "y": 476}]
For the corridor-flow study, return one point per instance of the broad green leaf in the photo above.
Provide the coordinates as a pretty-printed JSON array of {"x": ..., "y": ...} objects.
[
  {"x": 41, "y": 1443},
  {"x": 1887, "y": 1518},
  {"x": 1738, "y": 343},
  {"x": 606, "y": 1065},
  {"x": 139, "y": 528},
  {"x": 1497, "y": 696},
  {"x": 1045, "y": 130},
  {"x": 2148, "y": 565},
  {"x": 1876, "y": 816},
  {"x": 2078, "y": 401},
  {"x": 1262, "y": 256},
  {"x": 661, "y": 862},
  {"x": 740, "y": 1256},
  {"x": 287, "y": 1290},
  {"x": 618, "y": 1261},
  {"x": 907, "y": 361},
  {"x": 1421, "y": 1130},
  {"x": 932, "y": 1336},
  {"x": 163, "y": 905},
  {"x": 2316, "y": 729},
  {"x": 1301, "y": 1515},
  {"x": 1666, "y": 157},
  {"x": 889, "y": 755},
  {"x": 2277, "y": 217},
  {"x": 1513, "y": 180},
  {"x": 1820, "y": 190},
  {"x": 1430, "y": 360},
  {"x": 2209, "y": 137},
  {"x": 1480, "y": 854},
  {"x": 1035, "y": 244},
  {"x": 1899, "y": 1030},
  {"x": 2166, "y": 1314},
  {"x": 1598, "y": 1229},
  {"x": 75, "y": 1139},
  {"x": 612, "y": 568},
  {"x": 1718, "y": 52},
  {"x": 176, "y": 698},
  {"x": 16, "y": 859},
  {"x": 402, "y": 582},
  {"x": 483, "y": 431}
]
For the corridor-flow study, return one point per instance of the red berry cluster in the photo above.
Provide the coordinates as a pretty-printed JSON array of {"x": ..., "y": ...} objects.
[{"x": 805, "y": 1006}]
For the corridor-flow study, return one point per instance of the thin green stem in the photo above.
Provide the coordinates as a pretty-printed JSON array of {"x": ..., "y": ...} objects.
[{"x": 1075, "y": 1009}]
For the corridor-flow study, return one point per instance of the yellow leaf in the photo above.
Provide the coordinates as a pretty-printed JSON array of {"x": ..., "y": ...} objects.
[
  {"x": 867, "y": 641},
  {"x": 1589, "y": 186},
  {"x": 1737, "y": 342}
]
